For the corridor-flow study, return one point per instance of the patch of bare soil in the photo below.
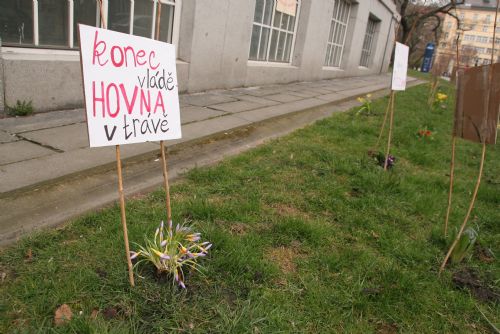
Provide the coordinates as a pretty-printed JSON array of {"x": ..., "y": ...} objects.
[
  {"x": 288, "y": 210},
  {"x": 235, "y": 228},
  {"x": 385, "y": 328},
  {"x": 468, "y": 279},
  {"x": 284, "y": 258}
]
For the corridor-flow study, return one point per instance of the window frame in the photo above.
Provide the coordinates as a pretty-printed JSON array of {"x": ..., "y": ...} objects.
[
  {"x": 70, "y": 43},
  {"x": 334, "y": 23},
  {"x": 272, "y": 28},
  {"x": 368, "y": 52}
]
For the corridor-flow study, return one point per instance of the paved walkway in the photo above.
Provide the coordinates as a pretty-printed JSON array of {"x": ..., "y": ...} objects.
[{"x": 39, "y": 151}]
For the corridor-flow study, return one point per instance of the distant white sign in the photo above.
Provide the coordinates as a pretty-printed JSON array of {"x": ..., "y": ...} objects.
[
  {"x": 400, "y": 67},
  {"x": 130, "y": 86},
  {"x": 287, "y": 6}
]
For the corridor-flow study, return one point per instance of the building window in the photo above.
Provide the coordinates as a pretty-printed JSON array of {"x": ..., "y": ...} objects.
[
  {"x": 54, "y": 23},
  {"x": 16, "y": 22},
  {"x": 469, "y": 38},
  {"x": 482, "y": 39},
  {"x": 366, "y": 50},
  {"x": 485, "y": 28},
  {"x": 273, "y": 31},
  {"x": 338, "y": 31},
  {"x": 53, "y": 19},
  {"x": 84, "y": 12}
]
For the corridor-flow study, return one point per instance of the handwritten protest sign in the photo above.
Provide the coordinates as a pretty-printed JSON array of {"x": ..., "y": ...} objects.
[
  {"x": 287, "y": 7},
  {"x": 130, "y": 86},
  {"x": 400, "y": 67}
]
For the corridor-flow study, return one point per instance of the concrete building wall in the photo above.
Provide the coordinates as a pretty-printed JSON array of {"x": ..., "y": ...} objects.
[{"x": 213, "y": 52}]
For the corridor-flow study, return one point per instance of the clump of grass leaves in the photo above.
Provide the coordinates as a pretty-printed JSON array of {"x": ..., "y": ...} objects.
[{"x": 171, "y": 250}]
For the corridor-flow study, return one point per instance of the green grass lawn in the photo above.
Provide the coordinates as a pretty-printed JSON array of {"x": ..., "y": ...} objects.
[{"x": 310, "y": 236}]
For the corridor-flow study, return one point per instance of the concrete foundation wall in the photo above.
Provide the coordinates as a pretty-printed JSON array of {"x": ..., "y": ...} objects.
[
  {"x": 49, "y": 81},
  {"x": 213, "y": 48},
  {"x": 2, "y": 90}
]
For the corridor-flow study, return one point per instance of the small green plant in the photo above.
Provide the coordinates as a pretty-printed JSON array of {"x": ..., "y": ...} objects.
[
  {"x": 21, "y": 109},
  {"x": 366, "y": 107},
  {"x": 171, "y": 250},
  {"x": 464, "y": 245}
]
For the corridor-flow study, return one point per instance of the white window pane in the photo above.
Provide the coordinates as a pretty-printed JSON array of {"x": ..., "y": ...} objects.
[
  {"x": 291, "y": 24},
  {"x": 264, "y": 41},
  {"x": 16, "y": 21},
  {"x": 254, "y": 44},
  {"x": 53, "y": 22},
  {"x": 268, "y": 11},
  {"x": 119, "y": 15},
  {"x": 273, "y": 45},
  {"x": 281, "y": 46},
  {"x": 85, "y": 12},
  {"x": 166, "y": 23},
  {"x": 289, "y": 41},
  {"x": 277, "y": 19},
  {"x": 327, "y": 57},
  {"x": 143, "y": 18},
  {"x": 259, "y": 11},
  {"x": 284, "y": 21}
]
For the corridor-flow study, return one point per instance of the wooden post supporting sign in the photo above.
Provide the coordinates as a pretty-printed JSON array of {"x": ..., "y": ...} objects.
[{"x": 399, "y": 75}]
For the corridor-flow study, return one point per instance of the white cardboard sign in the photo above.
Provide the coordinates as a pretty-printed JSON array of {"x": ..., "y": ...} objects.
[
  {"x": 130, "y": 86},
  {"x": 287, "y": 6},
  {"x": 400, "y": 67}
]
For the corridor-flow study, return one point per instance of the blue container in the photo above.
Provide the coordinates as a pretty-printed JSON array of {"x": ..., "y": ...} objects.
[{"x": 429, "y": 53}]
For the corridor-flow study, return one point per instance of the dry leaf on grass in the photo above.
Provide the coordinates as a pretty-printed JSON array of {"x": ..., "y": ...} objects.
[
  {"x": 62, "y": 315},
  {"x": 94, "y": 314}
]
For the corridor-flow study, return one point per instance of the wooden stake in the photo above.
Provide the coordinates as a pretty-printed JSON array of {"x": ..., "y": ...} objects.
[
  {"x": 165, "y": 179},
  {"x": 432, "y": 93},
  {"x": 162, "y": 143},
  {"x": 123, "y": 216},
  {"x": 158, "y": 18},
  {"x": 120, "y": 185},
  {"x": 483, "y": 152},
  {"x": 450, "y": 191},
  {"x": 453, "y": 149},
  {"x": 471, "y": 206},
  {"x": 103, "y": 21},
  {"x": 391, "y": 95},
  {"x": 390, "y": 129},
  {"x": 385, "y": 120}
]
